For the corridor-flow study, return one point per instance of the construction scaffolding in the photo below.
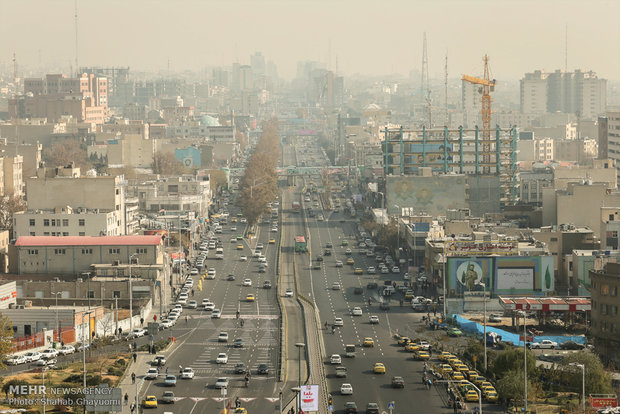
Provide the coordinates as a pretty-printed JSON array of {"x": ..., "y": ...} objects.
[{"x": 456, "y": 151}]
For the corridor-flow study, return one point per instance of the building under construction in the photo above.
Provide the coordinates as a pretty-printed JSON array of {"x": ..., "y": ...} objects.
[{"x": 487, "y": 159}]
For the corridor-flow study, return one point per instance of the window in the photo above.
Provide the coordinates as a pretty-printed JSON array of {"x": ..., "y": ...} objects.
[
  {"x": 611, "y": 217},
  {"x": 116, "y": 294},
  {"x": 65, "y": 222},
  {"x": 91, "y": 294},
  {"x": 141, "y": 250},
  {"x": 46, "y": 222},
  {"x": 32, "y": 233},
  {"x": 87, "y": 251},
  {"x": 82, "y": 222},
  {"x": 32, "y": 222},
  {"x": 33, "y": 251},
  {"x": 81, "y": 233},
  {"x": 46, "y": 233},
  {"x": 65, "y": 233},
  {"x": 114, "y": 251},
  {"x": 554, "y": 239},
  {"x": 53, "y": 222}
]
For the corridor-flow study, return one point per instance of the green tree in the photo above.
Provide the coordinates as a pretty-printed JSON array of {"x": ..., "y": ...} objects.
[
  {"x": 597, "y": 380},
  {"x": 512, "y": 360},
  {"x": 510, "y": 386}
]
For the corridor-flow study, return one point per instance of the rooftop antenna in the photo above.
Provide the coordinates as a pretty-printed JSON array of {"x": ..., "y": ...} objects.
[{"x": 77, "y": 68}]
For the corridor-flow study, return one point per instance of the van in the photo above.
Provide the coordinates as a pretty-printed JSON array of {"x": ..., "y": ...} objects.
[
  {"x": 219, "y": 253},
  {"x": 349, "y": 351}
]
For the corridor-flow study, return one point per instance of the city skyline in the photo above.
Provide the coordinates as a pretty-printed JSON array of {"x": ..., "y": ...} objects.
[{"x": 522, "y": 36}]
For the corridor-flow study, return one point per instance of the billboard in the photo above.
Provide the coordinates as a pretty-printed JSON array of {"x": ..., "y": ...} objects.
[
  {"x": 310, "y": 398},
  {"x": 471, "y": 247},
  {"x": 433, "y": 195},
  {"x": 502, "y": 275}
]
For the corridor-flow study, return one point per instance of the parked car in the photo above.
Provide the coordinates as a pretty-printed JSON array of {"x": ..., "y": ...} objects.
[
  {"x": 66, "y": 349},
  {"x": 545, "y": 344},
  {"x": 571, "y": 345},
  {"x": 17, "y": 360}
]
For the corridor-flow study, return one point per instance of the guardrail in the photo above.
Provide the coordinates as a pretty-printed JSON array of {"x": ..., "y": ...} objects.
[{"x": 280, "y": 305}]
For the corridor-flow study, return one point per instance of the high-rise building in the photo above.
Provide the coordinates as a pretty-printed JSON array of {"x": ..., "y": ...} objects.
[
  {"x": 577, "y": 92},
  {"x": 613, "y": 136}
]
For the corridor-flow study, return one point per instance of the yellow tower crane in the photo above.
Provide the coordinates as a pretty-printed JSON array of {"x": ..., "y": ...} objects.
[{"x": 486, "y": 87}]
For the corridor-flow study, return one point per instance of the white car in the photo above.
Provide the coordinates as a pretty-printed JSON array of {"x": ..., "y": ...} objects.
[
  {"x": 32, "y": 356},
  {"x": 247, "y": 282},
  {"x": 17, "y": 360},
  {"x": 243, "y": 220},
  {"x": 187, "y": 373},
  {"x": 166, "y": 323},
  {"x": 243, "y": 258},
  {"x": 395, "y": 269},
  {"x": 192, "y": 304},
  {"x": 66, "y": 350},
  {"x": 288, "y": 293},
  {"x": 357, "y": 311},
  {"x": 259, "y": 246},
  {"x": 374, "y": 319},
  {"x": 262, "y": 259},
  {"x": 256, "y": 253},
  {"x": 49, "y": 353},
  {"x": 151, "y": 374},
  {"x": 545, "y": 344},
  {"x": 336, "y": 286},
  {"x": 137, "y": 333},
  {"x": 209, "y": 306},
  {"x": 339, "y": 263},
  {"x": 221, "y": 383},
  {"x": 217, "y": 314},
  {"x": 205, "y": 301},
  {"x": 182, "y": 300},
  {"x": 346, "y": 389},
  {"x": 222, "y": 358},
  {"x": 338, "y": 322},
  {"x": 223, "y": 337},
  {"x": 193, "y": 271},
  {"x": 335, "y": 359},
  {"x": 46, "y": 362}
]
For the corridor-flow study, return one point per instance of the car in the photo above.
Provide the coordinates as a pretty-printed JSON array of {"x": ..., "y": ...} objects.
[
  {"x": 192, "y": 304},
  {"x": 137, "y": 333},
  {"x": 371, "y": 270},
  {"x": 49, "y": 353},
  {"x": 46, "y": 362},
  {"x": 205, "y": 302},
  {"x": 335, "y": 286},
  {"x": 357, "y": 311},
  {"x": 160, "y": 360},
  {"x": 262, "y": 369},
  {"x": 233, "y": 228},
  {"x": 335, "y": 359},
  {"x": 339, "y": 263},
  {"x": 288, "y": 293},
  {"x": 454, "y": 332},
  {"x": 193, "y": 271},
  {"x": 250, "y": 297},
  {"x": 384, "y": 270},
  {"x": 372, "y": 285},
  {"x": 422, "y": 356},
  {"x": 262, "y": 269},
  {"x": 350, "y": 261},
  {"x": 238, "y": 410},
  {"x": 358, "y": 271},
  {"x": 222, "y": 337},
  {"x": 346, "y": 389},
  {"x": 471, "y": 396},
  {"x": 66, "y": 349},
  {"x": 398, "y": 382},
  {"x": 243, "y": 258},
  {"x": 457, "y": 376},
  {"x": 571, "y": 345},
  {"x": 329, "y": 245},
  {"x": 247, "y": 282},
  {"x": 230, "y": 277},
  {"x": 187, "y": 373},
  {"x": 379, "y": 368},
  {"x": 495, "y": 318},
  {"x": 150, "y": 401},
  {"x": 240, "y": 369},
  {"x": 267, "y": 284},
  {"x": 368, "y": 342},
  {"x": 240, "y": 246},
  {"x": 170, "y": 380},
  {"x": 338, "y": 322},
  {"x": 350, "y": 407},
  {"x": 341, "y": 372},
  {"x": 272, "y": 241},
  {"x": 17, "y": 360},
  {"x": 374, "y": 319},
  {"x": 327, "y": 252},
  {"x": 221, "y": 383},
  {"x": 32, "y": 356},
  {"x": 260, "y": 246},
  {"x": 348, "y": 252},
  {"x": 238, "y": 343},
  {"x": 545, "y": 344},
  {"x": 344, "y": 243},
  {"x": 411, "y": 347},
  {"x": 372, "y": 408},
  {"x": 274, "y": 229},
  {"x": 395, "y": 269},
  {"x": 222, "y": 358},
  {"x": 168, "y": 397}
]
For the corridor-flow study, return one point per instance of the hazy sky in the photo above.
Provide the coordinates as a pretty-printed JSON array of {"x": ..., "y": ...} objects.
[{"x": 366, "y": 37}]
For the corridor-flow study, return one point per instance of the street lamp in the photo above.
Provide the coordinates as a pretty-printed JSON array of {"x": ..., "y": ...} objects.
[
  {"x": 524, "y": 360},
  {"x": 583, "y": 384},
  {"x": 299, "y": 346},
  {"x": 131, "y": 293},
  {"x": 484, "y": 295},
  {"x": 398, "y": 231},
  {"x": 44, "y": 396},
  {"x": 57, "y": 322}
]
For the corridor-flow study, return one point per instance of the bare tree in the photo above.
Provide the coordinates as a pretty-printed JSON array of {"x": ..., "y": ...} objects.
[
  {"x": 6, "y": 338},
  {"x": 165, "y": 163},
  {"x": 9, "y": 205},
  {"x": 64, "y": 152}
]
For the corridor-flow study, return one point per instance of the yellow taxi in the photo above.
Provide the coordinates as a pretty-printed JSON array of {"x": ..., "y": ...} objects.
[
  {"x": 368, "y": 342},
  {"x": 422, "y": 356},
  {"x": 379, "y": 368},
  {"x": 350, "y": 261},
  {"x": 240, "y": 410},
  {"x": 462, "y": 368},
  {"x": 240, "y": 246},
  {"x": 486, "y": 384},
  {"x": 457, "y": 376},
  {"x": 411, "y": 347},
  {"x": 150, "y": 401},
  {"x": 473, "y": 376},
  {"x": 485, "y": 390},
  {"x": 471, "y": 396},
  {"x": 250, "y": 298},
  {"x": 409, "y": 295},
  {"x": 403, "y": 340},
  {"x": 358, "y": 271},
  {"x": 491, "y": 396},
  {"x": 479, "y": 380},
  {"x": 271, "y": 241},
  {"x": 445, "y": 368},
  {"x": 444, "y": 356}
]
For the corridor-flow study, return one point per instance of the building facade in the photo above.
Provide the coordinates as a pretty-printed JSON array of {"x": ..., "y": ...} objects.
[{"x": 605, "y": 318}]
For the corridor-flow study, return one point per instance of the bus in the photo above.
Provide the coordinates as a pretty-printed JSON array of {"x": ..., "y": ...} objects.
[
  {"x": 296, "y": 206},
  {"x": 300, "y": 244}
]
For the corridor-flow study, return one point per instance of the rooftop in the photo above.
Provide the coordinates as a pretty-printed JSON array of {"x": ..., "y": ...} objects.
[{"x": 88, "y": 241}]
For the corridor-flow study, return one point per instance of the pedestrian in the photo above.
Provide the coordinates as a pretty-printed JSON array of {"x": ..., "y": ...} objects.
[
  {"x": 158, "y": 371},
  {"x": 154, "y": 318},
  {"x": 166, "y": 370},
  {"x": 133, "y": 377},
  {"x": 241, "y": 323},
  {"x": 185, "y": 319},
  {"x": 126, "y": 398},
  {"x": 327, "y": 325},
  {"x": 141, "y": 321},
  {"x": 129, "y": 345},
  {"x": 135, "y": 356}
]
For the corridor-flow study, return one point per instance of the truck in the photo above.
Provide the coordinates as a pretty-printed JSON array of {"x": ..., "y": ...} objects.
[{"x": 300, "y": 244}]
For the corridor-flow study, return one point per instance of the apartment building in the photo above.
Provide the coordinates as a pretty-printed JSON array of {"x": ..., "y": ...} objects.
[{"x": 605, "y": 320}]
